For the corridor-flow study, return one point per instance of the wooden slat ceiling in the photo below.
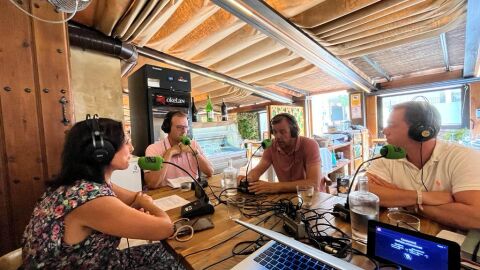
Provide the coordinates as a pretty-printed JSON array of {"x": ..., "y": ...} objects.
[{"x": 401, "y": 36}]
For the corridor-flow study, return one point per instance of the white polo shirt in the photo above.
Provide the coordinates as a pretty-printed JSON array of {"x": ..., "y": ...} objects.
[{"x": 452, "y": 167}]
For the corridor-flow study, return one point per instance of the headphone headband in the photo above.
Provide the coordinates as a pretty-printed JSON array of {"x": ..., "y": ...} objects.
[{"x": 101, "y": 150}]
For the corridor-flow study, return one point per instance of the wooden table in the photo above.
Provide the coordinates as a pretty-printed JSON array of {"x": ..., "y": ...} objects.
[{"x": 225, "y": 229}]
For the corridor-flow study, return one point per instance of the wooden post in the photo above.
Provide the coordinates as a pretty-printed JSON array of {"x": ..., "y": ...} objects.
[{"x": 34, "y": 78}]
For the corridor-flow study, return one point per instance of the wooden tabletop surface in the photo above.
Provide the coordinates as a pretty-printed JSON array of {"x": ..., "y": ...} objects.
[{"x": 213, "y": 245}]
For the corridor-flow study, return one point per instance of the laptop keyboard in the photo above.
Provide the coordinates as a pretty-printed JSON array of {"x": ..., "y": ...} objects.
[{"x": 279, "y": 256}]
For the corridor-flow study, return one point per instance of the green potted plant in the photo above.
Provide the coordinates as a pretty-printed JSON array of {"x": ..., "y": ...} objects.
[{"x": 248, "y": 125}]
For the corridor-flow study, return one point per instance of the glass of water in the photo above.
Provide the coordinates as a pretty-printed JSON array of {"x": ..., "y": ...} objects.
[
  {"x": 235, "y": 207},
  {"x": 402, "y": 219},
  {"x": 305, "y": 192}
]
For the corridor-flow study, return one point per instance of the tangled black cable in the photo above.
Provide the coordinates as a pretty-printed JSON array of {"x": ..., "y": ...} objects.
[{"x": 316, "y": 225}]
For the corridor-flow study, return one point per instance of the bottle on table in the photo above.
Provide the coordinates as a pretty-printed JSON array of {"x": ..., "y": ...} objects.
[
  {"x": 209, "y": 109},
  {"x": 194, "y": 111},
  {"x": 230, "y": 179},
  {"x": 224, "y": 111},
  {"x": 364, "y": 206}
]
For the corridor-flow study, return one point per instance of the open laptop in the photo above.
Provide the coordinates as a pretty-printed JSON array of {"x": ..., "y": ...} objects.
[{"x": 287, "y": 253}]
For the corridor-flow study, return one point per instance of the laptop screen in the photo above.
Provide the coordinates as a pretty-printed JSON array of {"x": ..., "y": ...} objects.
[{"x": 410, "y": 249}]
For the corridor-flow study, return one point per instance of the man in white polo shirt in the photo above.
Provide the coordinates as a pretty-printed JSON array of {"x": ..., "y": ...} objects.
[{"x": 441, "y": 180}]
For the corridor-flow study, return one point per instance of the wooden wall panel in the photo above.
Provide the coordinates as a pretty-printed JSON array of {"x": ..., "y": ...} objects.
[
  {"x": 52, "y": 62},
  {"x": 19, "y": 117},
  {"x": 31, "y": 134},
  {"x": 474, "y": 104}
]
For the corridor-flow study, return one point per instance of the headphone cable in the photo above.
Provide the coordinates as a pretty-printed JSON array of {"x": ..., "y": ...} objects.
[{"x": 421, "y": 164}]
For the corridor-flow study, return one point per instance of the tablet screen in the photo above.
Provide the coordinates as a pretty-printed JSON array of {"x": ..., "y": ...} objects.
[{"x": 410, "y": 249}]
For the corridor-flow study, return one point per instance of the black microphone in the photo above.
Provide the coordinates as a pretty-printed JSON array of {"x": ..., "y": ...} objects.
[
  {"x": 196, "y": 208},
  {"x": 389, "y": 152},
  {"x": 243, "y": 185}
]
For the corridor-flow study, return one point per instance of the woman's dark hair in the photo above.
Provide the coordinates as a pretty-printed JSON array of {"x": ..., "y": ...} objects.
[{"x": 77, "y": 161}]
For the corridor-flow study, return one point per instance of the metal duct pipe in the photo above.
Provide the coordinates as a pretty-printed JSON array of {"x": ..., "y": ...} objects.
[{"x": 92, "y": 40}]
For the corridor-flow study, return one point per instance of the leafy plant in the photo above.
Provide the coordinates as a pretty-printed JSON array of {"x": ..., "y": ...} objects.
[
  {"x": 456, "y": 135},
  {"x": 248, "y": 125}
]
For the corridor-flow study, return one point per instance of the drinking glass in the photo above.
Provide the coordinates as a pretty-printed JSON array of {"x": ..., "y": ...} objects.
[
  {"x": 235, "y": 207},
  {"x": 306, "y": 193},
  {"x": 404, "y": 220}
]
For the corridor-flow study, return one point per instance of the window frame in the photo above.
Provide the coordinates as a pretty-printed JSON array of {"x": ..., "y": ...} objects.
[{"x": 465, "y": 97}]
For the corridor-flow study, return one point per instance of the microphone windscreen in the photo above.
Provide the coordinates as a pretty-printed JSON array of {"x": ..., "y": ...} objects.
[
  {"x": 185, "y": 140},
  {"x": 392, "y": 152},
  {"x": 150, "y": 163},
  {"x": 266, "y": 143}
]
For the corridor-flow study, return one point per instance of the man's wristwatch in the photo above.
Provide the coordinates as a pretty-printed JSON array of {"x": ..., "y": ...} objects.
[{"x": 419, "y": 199}]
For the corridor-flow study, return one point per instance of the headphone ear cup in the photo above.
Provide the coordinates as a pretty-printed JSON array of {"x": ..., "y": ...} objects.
[
  {"x": 166, "y": 125},
  {"x": 99, "y": 154},
  {"x": 294, "y": 132},
  {"x": 421, "y": 133}
]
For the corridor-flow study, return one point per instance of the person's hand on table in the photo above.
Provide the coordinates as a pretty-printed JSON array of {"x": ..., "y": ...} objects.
[
  {"x": 259, "y": 187},
  {"x": 240, "y": 178}
]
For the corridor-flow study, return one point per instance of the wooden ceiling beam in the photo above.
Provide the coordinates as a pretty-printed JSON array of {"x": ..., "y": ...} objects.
[
  {"x": 255, "y": 107},
  {"x": 445, "y": 76}
]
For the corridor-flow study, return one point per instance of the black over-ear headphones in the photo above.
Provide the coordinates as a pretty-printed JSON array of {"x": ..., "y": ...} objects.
[
  {"x": 167, "y": 122},
  {"x": 425, "y": 129},
  {"x": 294, "y": 128},
  {"x": 100, "y": 150}
]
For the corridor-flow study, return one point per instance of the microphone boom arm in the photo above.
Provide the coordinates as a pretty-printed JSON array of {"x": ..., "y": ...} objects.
[
  {"x": 203, "y": 193},
  {"x": 355, "y": 175}
]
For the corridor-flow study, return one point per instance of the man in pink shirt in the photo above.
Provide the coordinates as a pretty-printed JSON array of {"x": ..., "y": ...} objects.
[
  {"x": 172, "y": 150},
  {"x": 295, "y": 159}
]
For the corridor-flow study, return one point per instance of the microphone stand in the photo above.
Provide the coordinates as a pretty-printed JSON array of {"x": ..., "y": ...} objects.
[
  {"x": 202, "y": 184},
  {"x": 243, "y": 185},
  {"x": 343, "y": 211},
  {"x": 199, "y": 207}
]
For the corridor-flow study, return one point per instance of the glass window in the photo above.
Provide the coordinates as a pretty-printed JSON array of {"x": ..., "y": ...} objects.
[
  {"x": 450, "y": 104},
  {"x": 330, "y": 109}
]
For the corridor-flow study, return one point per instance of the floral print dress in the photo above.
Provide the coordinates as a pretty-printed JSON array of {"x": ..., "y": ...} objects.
[{"x": 43, "y": 245}]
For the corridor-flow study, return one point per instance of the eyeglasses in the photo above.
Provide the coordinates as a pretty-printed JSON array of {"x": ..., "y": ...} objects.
[{"x": 180, "y": 127}]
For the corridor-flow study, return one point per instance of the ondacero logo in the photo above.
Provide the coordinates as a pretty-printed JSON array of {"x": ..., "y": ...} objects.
[
  {"x": 175, "y": 100},
  {"x": 169, "y": 100}
]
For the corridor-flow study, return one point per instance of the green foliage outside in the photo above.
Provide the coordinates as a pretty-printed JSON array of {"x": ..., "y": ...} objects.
[
  {"x": 248, "y": 125},
  {"x": 456, "y": 135}
]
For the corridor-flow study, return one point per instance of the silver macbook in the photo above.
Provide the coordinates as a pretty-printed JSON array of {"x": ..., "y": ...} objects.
[{"x": 287, "y": 253}]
